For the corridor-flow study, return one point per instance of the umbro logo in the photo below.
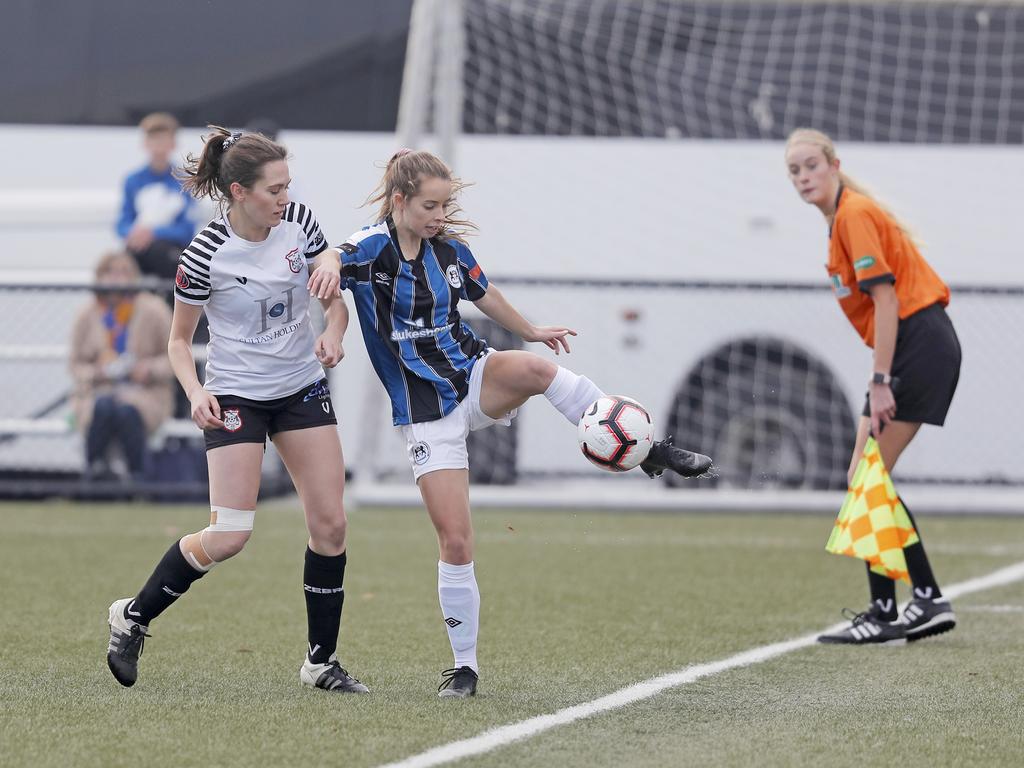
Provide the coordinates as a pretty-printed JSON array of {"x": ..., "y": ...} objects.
[
  {"x": 242, "y": 280},
  {"x": 382, "y": 277},
  {"x": 453, "y": 623}
]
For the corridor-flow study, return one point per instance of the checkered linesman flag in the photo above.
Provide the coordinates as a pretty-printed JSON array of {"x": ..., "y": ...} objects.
[{"x": 873, "y": 524}]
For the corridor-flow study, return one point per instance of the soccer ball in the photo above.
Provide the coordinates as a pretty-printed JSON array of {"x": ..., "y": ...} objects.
[{"x": 615, "y": 433}]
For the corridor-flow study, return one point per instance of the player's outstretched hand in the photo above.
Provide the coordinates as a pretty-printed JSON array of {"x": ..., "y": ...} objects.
[
  {"x": 554, "y": 337},
  {"x": 329, "y": 350},
  {"x": 206, "y": 410},
  {"x": 325, "y": 280}
]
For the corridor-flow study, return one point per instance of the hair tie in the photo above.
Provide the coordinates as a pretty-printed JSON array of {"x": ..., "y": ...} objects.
[{"x": 226, "y": 145}]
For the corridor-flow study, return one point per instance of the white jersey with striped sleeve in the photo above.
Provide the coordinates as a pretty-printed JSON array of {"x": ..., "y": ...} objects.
[{"x": 256, "y": 303}]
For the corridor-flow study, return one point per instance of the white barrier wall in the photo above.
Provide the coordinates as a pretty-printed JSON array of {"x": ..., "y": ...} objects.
[
  {"x": 662, "y": 210},
  {"x": 645, "y": 208}
]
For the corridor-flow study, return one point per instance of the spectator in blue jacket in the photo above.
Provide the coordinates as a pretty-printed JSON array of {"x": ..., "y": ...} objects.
[{"x": 157, "y": 219}]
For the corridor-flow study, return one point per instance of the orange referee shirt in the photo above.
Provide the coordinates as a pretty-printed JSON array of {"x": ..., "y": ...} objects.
[{"x": 867, "y": 248}]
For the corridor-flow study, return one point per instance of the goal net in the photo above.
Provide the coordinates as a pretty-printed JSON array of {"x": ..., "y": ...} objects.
[{"x": 939, "y": 72}]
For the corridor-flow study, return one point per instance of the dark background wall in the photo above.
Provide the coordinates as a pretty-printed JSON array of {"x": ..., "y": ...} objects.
[
  {"x": 876, "y": 72},
  {"x": 307, "y": 64}
]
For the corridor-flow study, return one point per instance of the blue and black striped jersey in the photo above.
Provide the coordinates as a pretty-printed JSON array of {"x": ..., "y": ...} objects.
[{"x": 408, "y": 312}]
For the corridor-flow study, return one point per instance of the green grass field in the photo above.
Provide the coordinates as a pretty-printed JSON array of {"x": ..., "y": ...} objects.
[{"x": 575, "y": 606}]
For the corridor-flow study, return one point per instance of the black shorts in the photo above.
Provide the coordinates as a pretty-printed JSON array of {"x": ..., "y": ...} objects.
[
  {"x": 252, "y": 421},
  {"x": 927, "y": 364}
]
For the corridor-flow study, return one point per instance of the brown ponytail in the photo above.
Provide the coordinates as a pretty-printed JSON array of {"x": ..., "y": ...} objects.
[
  {"x": 228, "y": 158},
  {"x": 404, "y": 172}
]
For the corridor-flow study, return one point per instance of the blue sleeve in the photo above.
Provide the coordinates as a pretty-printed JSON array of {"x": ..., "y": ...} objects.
[
  {"x": 351, "y": 255},
  {"x": 474, "y": 281},
  {"x": 128, "y": 214}
]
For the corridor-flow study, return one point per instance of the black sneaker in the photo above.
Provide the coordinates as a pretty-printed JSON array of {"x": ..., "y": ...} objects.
[
  {"x": 664, "y": 455},
  {"x": 457, "y": 683},
  {"x": 126, "y": 641},
  {"x": 925, "y": 618},
  {"x": 867, "y": 628},
  {"x": 330, "y": 677}
]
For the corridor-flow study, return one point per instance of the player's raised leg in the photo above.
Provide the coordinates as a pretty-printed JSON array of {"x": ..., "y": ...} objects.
[
  {"x": 512, "y": 377},
  {"x": 234, "y": 486}
]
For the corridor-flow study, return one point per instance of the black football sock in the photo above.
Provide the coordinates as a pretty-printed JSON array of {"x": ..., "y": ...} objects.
[
  {"x": 323, "y": 580},
  {"x": 170, "y": 580},
  {"x": 883, "y": 594},
  {"x": 920, "y": 570}
]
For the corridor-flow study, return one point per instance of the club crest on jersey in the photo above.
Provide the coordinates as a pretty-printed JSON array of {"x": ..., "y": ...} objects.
[
  {"x": 294, "y": 259},
  {"x": 232, "y": 419},
  {"x": 420, "y": 453},
  {"x": 181, "y": 279},
  {"x": 453, "y": 276}
]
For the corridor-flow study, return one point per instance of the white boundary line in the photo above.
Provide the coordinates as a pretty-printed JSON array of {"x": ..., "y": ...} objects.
[{"x": 507, "y": 734}]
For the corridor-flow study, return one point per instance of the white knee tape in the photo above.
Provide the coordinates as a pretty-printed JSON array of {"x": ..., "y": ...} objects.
[{"x": 225, "y": 519}]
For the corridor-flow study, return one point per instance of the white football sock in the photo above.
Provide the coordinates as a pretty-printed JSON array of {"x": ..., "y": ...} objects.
[
  {"x": 460, "y": 607},
  {"x": 571, "y": 394}
]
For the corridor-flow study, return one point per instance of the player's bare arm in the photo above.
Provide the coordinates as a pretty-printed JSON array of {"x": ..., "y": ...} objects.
[
  {"x": 887, "y": 318},
  {"x": 329, "y": 349},
  {"x": 325, "y": 277},
  {"x": 496, "y": 306},
  {"x": 205, "y": 408}
]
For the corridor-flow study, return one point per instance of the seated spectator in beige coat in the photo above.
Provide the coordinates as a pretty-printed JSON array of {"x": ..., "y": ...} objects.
[{"x": 122, "y": 377}]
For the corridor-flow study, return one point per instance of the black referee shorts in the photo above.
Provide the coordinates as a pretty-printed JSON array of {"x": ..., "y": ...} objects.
[
  {"x": 252, "y": 421},
  {"x": 927, "y": 364}
]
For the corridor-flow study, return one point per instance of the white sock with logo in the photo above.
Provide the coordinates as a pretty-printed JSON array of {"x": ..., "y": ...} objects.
[
  {"x": 460, "y": 607},
  {"x": 571, "y": 394}
]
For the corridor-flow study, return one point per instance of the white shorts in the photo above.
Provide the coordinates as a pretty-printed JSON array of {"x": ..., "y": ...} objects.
[{"x": 441, "y": 444}]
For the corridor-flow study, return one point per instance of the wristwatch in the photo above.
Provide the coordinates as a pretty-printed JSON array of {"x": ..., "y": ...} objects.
[{"x": 881, "y": 378}]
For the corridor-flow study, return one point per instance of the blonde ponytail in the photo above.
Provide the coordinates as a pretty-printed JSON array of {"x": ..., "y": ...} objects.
[{"x": 822, "y": 141}]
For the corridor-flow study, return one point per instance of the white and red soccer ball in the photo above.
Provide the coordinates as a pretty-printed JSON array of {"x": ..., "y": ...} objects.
[{"x": 616, "y": 433}]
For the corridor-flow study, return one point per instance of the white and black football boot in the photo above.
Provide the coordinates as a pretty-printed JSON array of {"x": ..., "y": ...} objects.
[
  {"x": 126, "y": 641},
  {"x": 925, "y": 618},
  {"x": 867, "y": 628},
  {"x": 330, "y": 677}
]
